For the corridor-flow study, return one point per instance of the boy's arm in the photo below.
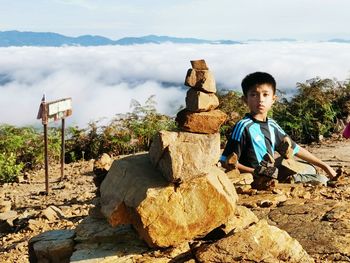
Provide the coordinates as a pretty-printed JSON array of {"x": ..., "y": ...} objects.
[
  {"x": 245, "y": 169},
  {"x": 309, "y": 157}
]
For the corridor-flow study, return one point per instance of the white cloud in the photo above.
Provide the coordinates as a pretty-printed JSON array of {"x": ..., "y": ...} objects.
[{"x": 103, "y": 80}]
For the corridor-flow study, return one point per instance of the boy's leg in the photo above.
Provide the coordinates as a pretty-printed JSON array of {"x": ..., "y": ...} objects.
[{"x": 310, "y": 178}]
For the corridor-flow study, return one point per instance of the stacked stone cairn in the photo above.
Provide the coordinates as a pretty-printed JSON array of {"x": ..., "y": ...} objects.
[
  {"x": 175, "y": 193},
  {"x": 200, "y": 114}
]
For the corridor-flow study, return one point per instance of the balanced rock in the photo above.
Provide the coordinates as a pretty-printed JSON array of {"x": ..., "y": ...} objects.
[
  {"x": 201, "y": 122},
  {"x": 201, "y": 80},
  {"x": 182, "y": 156},
  {"x": 198, "y": 101},
  {"x": 164, "y": 214},
  {"x": 258, "y": 243},
  {"x": 199, "y": 64}
]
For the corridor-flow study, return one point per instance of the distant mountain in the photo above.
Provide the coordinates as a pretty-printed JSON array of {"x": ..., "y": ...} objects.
[
  {"x": 273, "y": 40},
  {"x": 338, "y": 40},
  {"x": 17, "y": 38},
  {"x": 164, "y": 39}
]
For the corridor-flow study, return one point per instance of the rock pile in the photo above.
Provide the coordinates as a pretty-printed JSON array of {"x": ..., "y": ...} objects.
[
  {"x": 175, "y": 193},
  {"x": 200, "y": 114}
]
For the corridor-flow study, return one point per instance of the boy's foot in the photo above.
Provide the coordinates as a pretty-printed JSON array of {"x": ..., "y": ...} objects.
[{"x": 285, "y": 148}]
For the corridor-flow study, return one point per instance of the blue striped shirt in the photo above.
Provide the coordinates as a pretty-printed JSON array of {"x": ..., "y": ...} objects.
[{"x": 252, "y": 139}]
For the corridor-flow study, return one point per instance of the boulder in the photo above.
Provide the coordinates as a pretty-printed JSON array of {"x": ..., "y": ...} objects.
[
  {"x": 198, "y": 101},
  {"x": 258, "y": 243},
  {"x": 51, "y": 246},
  {"x": 165, "y": 214},
  {"x": 201, "y": 80},
  {"x": 182, "y": 156},
  {"x": 208, "y": 122}
]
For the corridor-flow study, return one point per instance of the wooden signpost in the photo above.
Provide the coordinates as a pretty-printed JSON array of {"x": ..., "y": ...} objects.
[{"x": 53, "y": 111}]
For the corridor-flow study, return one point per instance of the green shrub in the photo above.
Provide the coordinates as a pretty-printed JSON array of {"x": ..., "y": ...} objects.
[
  {"x": 22, "y": 148},
  {"x": 310, "y": 113},
  {"x": 126, "y": 133},
  {"x": 9, "y": 169}
]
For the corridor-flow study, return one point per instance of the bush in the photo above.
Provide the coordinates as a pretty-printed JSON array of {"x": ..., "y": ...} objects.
[
  {"x": 9, "y": 169},
  {"x": 22, "y": 149},
  {"x": 310, "y": 113},
  {"x": 126, "y": 133}
]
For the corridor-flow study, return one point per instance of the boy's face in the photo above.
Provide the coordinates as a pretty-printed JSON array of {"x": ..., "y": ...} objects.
[{"x": 259, "y": 100}]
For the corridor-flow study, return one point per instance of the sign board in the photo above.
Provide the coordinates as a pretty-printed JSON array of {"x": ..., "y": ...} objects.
[{"x": 55, "y": 110}]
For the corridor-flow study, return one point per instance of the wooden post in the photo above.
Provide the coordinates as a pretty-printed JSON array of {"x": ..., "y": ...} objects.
[
  {"x": 46, "y": 160},
  {"x": 62, "y": 149}
]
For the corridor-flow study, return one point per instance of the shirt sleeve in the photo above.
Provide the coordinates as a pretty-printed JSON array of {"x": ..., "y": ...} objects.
[{"x": 234, "y": 144}]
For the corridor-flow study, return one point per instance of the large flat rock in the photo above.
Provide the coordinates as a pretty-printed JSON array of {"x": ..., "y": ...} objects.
[
  {"x": 258, "y": 243},
  {"x": 321, "y": 226}
]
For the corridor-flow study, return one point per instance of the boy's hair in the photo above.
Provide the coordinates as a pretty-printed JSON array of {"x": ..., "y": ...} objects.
[{"x": 257, "y": 78}]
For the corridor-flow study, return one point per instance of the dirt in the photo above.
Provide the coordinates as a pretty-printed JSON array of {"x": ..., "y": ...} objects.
[{"x": 74, "y": 196}]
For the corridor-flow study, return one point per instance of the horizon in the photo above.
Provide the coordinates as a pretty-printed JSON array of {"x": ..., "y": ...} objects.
[{"x": 281, "y": 39}]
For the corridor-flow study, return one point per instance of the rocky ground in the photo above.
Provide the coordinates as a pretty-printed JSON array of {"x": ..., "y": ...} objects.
[{"x": 297, "y": 209}]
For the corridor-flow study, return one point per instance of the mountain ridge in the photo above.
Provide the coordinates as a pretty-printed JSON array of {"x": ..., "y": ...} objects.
[
  {"x": 28, "y": 38},
  {"x": 50, "y": 39}
]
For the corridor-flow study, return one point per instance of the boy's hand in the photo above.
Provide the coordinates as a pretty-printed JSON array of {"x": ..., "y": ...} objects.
[{"x": 330, "y": 171}]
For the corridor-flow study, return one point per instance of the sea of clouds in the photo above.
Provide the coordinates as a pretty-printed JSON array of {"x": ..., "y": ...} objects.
[{"x": 102, "y": 81}]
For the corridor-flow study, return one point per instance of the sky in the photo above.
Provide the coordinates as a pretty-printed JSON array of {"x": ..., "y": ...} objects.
[
  {"x": 102, "y": 81},
  {"x": 208, "y": 19}
]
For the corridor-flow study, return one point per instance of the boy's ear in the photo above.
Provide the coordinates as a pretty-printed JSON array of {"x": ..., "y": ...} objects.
[{"x": 244, "y": 98}]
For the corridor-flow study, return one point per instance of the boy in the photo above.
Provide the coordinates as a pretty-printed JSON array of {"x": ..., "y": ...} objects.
[{"x": 255, "y": 138}]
